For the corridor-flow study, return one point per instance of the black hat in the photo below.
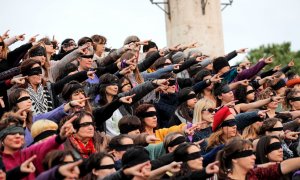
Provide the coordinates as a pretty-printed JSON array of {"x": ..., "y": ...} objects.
[
  {"x": 149, "y": 46},
  {"x": 219, "y": 63},
  {"x": 135, "y": 156}
]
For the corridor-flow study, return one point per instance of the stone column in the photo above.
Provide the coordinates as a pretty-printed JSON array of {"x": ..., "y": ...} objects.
[{"x": 189, "y": 21}]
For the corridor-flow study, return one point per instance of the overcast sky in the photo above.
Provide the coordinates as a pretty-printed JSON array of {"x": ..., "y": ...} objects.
[{"x": 247, "y": 23}]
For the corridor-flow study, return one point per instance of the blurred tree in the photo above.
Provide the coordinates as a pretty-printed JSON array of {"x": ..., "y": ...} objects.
[{"x": 282, "y": 55}]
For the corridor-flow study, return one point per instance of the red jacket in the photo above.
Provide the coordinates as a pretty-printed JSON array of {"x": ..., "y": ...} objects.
[
  {"x": 39, "y": 149},
  {"x": 271, "y": 172}
]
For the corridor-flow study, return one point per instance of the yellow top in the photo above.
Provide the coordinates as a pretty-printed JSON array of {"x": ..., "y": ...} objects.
[{"x": 161, "y": 133}]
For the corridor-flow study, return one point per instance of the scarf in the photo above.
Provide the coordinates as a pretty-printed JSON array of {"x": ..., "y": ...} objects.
[
  {"x": 41, "y": 100},
  {"x": 84, "y": 150}
]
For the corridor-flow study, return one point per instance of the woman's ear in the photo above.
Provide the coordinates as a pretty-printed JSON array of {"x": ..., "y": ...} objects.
[{"x": 94, "y": 171}]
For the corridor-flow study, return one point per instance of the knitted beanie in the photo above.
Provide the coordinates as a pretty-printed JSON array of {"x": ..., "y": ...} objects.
[
  {"x": 131, "y": 39},
  {"x": 219, "y": 63},
  {"x": 177, "y": 57}
]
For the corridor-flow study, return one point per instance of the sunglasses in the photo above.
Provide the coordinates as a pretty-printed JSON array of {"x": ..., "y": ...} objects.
[
  {"x": 211, "y": 110},
  {"x": 85, "y": 124}
]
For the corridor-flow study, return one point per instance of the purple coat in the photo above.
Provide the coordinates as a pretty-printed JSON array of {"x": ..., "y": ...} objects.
[{"x": 249, "y": 73}]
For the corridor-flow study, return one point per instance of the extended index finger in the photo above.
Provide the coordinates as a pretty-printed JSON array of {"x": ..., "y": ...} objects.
[
  {"x": 30, "y": 159},
  {"x": 72, "y": 119}
]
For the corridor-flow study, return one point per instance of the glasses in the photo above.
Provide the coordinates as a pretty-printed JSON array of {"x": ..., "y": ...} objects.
[{"x": 211, "y": 110}]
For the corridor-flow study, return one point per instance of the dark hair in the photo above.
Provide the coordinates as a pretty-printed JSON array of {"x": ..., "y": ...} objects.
[
  {"x": 183, "y": 109},
  {"x": 12, "y": 101},
  {"x": 268, "y": 124},
  {"x": 201, "y": 74},
  {"x": 55, "y": 157},
  {"x": 26, "y": 66},
  {"x": 84, "y": 40},
  {"x": 106, "y": 79},
  {"x": 291, "y": 75},
  {"x": 76, "y": 122},
  {"x": 290, "y": 93},
  {"x": 98, "y": 39},
  {"x": 150, "y": 45},
  {"x": 159, "y": 63},
  {"x": 121, "y": 81},
  {"x": 217, "y": 91},
  {"x": 128, "y": 120},
  {"x": 262, "y": 147},
  {"x": 64, "y": 42},
  {"x": 70, "y": 67},
  {"x": 117, "y": 141},
  {"x": 240, "y": 94},
  {"x": 232, "y": 147},
  {"x": 179, "y": 153},
  {"x": 140, "y": 109},
  {"x": 95, "y": 160},
  {"x": 150, "y": 53}
]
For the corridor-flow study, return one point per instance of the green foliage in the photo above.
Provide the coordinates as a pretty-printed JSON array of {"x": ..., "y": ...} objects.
[{"x": 282, "y": 55}]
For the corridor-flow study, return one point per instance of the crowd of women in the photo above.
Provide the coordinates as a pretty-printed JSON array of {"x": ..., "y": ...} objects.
[{"x": 80, "y": 110}]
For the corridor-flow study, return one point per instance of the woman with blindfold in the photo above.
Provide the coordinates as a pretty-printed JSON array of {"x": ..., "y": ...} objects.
[
  {"x": 86, "y": 140},
  {"x": 20, "y": 107},
  {"x": 274, "y": 127},
  {"x": 103, "y": 165},
  {"x": 118, "y": 146},
  {"x": 192, "y": 163},
  {"x": 147, "y": 115},
  {"x": 43, "y": 94},
  {"x": 244, "y": 94},
  {"x": 269, "y": 149},
  {"x": 237, "y": 161},
  {"x": 13, "y": 153},
  {"x": 111, "y": 88},
  {"x": 293, "y": 99},
  {"x": 224, "y": 128}
]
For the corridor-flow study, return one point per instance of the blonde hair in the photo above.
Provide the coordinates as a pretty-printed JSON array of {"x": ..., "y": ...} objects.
[
  {"x": 251, "y": 132},
  {"x": 203, "y": 103},
  {"x": 216, "y": 138},
  {"x": 41, "y": 126}
]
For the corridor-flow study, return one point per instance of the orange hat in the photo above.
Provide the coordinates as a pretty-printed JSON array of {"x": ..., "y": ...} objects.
[{"x": 293, "y": 82}]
